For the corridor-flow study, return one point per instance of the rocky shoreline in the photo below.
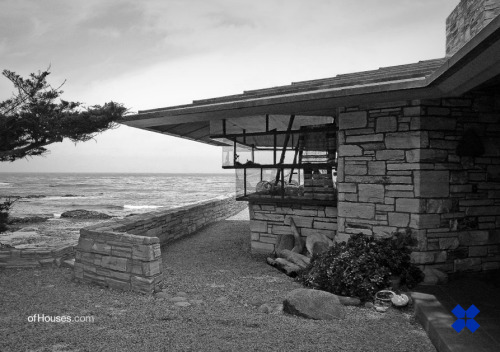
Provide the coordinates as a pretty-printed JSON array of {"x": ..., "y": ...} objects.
[{"x": 41, "y": 232}]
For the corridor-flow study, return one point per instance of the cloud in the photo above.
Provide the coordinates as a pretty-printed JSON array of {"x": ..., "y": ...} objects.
[
  {"x": 153, "y": 53},
  {"x": 85, "y": 40}
]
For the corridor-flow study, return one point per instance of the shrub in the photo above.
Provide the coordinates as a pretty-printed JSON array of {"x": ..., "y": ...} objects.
[
  {"x": 5, "y": 206},
  {"x": 363, "y": 266}
]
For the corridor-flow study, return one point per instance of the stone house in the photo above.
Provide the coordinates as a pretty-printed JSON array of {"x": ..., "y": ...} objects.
[{"x": 415, "y": 147}]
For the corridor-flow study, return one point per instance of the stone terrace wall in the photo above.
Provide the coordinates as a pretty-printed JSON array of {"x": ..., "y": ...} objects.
[
  {"x": 398, "y": 169},
  {"x": 118, "y": 260},
  {"x": 468, "y": 18},
  {"x": 31, "y": 258},
  {"x": 125, "y": 254},
  {"x": 267, "y": 221}
]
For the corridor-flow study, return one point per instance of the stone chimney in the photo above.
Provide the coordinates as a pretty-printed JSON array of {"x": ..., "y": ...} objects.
[{"x": 468, "y": 18}]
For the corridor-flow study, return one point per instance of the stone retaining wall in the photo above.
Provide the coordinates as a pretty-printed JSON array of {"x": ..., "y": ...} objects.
[
  {"x": 399, "y": 168},
  {"x": 125, "y": 254},
  {"x": 267, "y": 221},
  {"x": 31, "y": 258}
]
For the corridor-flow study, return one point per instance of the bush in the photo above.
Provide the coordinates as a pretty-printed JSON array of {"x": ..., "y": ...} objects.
[
  {"x": 4, "y": 213},
  {"x": 363, "y": 266}
]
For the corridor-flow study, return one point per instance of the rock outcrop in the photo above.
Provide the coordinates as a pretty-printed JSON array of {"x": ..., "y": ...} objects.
[
  {"x": 313, "y": 304},
  {"x": 84, "y": 214}
]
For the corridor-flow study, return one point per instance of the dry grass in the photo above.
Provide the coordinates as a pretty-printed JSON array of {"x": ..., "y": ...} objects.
[{"x": 213, "y": 266}]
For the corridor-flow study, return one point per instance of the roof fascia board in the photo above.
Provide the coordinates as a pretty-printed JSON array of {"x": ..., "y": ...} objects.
[
  {"x": 315, "y": 106},
  {"x": 475, "y": 63}
]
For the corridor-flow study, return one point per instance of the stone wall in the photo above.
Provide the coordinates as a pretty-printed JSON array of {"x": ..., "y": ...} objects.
[
  {"x": 399, "y": 168},
  {"x": 32, "y": 258},
  {"x": 118, "y": 260},
  {"x": 468, "y": 18},
  {"x": 125, "y": 254},
  {"x": 267, "y": 221}
]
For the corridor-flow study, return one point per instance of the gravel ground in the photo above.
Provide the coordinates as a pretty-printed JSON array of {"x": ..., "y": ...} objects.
[{"x": 221, "y": 287}]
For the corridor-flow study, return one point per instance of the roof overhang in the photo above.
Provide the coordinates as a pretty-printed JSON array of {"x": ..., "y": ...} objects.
[{"x": 475, "y": 64}]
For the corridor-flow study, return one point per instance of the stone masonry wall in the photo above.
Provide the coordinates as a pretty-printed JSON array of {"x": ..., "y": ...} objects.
[
  {"x": 468, "y": 18},
  {"x": 267, "y": 221},
  {"x": 462, "y": 196},
  {"x": 398, "y": 169},
  {"x": 125, "y": 254},
  {"x": 31, "y": 258},
  {"x": 118, "y": 260}
]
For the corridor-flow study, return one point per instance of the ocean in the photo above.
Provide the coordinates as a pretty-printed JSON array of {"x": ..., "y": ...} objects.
[{"x": 51, "y": 194}]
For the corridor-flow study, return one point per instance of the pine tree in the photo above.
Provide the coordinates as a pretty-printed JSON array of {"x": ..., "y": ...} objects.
[{"x": 35, "y": 117}]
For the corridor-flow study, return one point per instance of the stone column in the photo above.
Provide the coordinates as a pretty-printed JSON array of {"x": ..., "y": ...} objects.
[
  {"x": 399, "y": 168},
  {"x": 376, "y": 179}
]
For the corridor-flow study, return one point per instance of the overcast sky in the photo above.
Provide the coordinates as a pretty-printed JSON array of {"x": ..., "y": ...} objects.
[{"x": 151, "y": 54}]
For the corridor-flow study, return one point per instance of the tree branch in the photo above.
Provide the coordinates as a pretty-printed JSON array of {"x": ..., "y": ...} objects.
[{"x": 24, "y": 151}]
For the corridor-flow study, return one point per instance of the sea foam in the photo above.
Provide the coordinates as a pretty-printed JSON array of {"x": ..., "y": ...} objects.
[{"x": 142, "y": 206}]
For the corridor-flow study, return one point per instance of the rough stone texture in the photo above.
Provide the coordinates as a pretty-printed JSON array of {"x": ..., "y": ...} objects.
[
  {"x": 468, "y": 18},
  {"x": 313, "y": 304},
  {"x": 371, "y": 193},
  {"x": 434, "y": 277},
  {"x": 415, "y": 179},
  {"x": 30, "y": 258},
  {"x": 84, "y": 214},
  {"x": 317, "y": 243},
  {"x": 349, "y": 301},
  {"x": 349, "y": 120},
  {"x": 285, "y": 241},
  {"x": 126, "y": 254},
  {"x": 311, "y": 220},
  {"x": 356, "y": 210},
  {"x": 432, "y": 184}
]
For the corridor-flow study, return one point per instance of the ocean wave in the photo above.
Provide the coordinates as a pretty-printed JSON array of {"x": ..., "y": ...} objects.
[
  {"x": 70, "y": 184},
  {"x": 90, "y": 206},
  {"x": 68, "y": 196},
  {"x": 5, "y": 184},
  {"x": 142, "y": 206}
]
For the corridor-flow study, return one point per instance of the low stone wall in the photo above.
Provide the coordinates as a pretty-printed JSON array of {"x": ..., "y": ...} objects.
[
  {"x": 125, "y": 254},
  {"x": 267, "y": 221},
  {"x": 31, "y": 258}
]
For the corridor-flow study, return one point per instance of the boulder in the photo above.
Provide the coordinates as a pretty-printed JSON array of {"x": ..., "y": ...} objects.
[
  {"x": 270, "y": 308},
  {"x": 317, "y": 243},
  {"x": 26, "y": 220},
  {"x": 349, "y": 301},
  {"x": 434, "y": 277},
  {"x": 369, "y": 305},
  {"x": 313, "y": 304},
  {"x": 84, "y": 214},
  {"x": 284, "y": 242}
]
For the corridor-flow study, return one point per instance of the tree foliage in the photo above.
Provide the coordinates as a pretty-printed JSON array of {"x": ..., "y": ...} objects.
[
  {"x": 35, "y": 117},
  {"x": 4, "y": 212}
]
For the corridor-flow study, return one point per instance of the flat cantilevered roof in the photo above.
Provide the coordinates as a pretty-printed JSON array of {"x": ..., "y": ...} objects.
[{"x": 476, "y": 64}]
